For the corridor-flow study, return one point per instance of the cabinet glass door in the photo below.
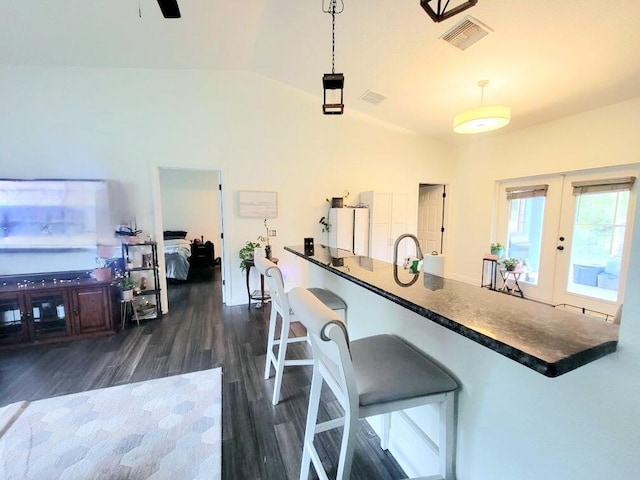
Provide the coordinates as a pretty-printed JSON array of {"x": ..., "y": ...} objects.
[
  {"x": 12, "y": 328},
  {"x": 49, "y": 314}
]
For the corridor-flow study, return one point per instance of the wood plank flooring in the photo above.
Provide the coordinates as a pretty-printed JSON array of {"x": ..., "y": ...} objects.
[{"x": 260, "y": 441}]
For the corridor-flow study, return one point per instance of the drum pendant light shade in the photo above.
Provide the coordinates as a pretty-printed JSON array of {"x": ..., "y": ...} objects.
[{"x": 482, "y": 119}]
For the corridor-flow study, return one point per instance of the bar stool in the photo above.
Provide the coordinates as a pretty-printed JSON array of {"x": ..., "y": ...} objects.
[
  {"x": 371, "y": 376},
  {"x": 280, "y": 306}
]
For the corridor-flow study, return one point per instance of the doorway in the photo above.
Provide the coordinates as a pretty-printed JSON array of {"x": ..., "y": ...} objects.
[
  {"x": 190, "y": 200},
  {"x": 431, "y": 218}
]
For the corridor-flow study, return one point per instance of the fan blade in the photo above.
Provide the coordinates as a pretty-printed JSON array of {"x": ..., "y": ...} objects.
[{"x": 169, "y": 8}]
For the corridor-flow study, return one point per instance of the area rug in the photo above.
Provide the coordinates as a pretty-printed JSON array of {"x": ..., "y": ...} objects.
[{"x": 168, "y": 428}]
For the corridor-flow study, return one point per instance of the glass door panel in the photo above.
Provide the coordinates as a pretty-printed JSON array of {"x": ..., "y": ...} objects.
[
  {"x": 596, "y": 227},
  {"x": 528, "y": 227},
  {"x": 524, "y": 235},
  {"x": 49, "y": 314},
  {"x": 12, "y": 328}
]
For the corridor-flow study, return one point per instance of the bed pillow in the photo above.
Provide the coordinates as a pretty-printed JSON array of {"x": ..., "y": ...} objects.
[{"x": 174, "y": 234}]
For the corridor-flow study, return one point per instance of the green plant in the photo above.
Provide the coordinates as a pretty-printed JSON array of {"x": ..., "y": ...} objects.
[
  {"x": 497, "y": 246},
  {"x": 127, "y": 283},
  {"x": 324, "y": 221},
  {"x": 510, "y": 263},
  {"x": 246, "y": 253}
]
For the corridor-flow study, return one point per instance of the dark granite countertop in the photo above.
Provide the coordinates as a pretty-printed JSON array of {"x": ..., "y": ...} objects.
[{"x": 548, "y": 340}]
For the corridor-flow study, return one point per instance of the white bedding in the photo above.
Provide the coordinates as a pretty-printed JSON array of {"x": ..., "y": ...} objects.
[{"x": 176, "y": 256}]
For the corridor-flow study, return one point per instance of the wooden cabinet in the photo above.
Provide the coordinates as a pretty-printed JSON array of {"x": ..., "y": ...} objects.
[
  {"x": 91, "y": 309},
  {"x": 13, "y": 324},
  {"x": 42, "y": 311}
]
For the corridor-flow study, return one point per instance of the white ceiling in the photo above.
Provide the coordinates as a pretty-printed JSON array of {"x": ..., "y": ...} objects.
[{"x": 545, "y": 59}]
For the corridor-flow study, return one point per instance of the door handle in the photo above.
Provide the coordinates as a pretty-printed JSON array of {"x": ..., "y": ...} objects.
[{"x": 560, "y": 247}]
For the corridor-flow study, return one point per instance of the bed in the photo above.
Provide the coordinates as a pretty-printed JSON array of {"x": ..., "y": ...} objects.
[{"x": 176, "y": 256}]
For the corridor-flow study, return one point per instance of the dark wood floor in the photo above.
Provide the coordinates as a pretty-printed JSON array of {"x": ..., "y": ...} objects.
[{"x": 260, "y": 441}]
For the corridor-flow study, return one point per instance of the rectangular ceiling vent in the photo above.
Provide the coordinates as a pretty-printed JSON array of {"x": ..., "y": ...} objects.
[
  {"x": 372, "y": 97},
  {"x": 466, "y": 32}
]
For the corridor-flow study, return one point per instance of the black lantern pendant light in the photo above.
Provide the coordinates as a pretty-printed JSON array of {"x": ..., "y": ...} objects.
[
  {"x": 440, "y": 12},
  {"x": 333, "y": 83}
]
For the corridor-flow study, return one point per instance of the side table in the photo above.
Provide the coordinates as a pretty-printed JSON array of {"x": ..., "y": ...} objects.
[
  {"x": 515, "y": 276},
  {"x": 125, "y": 306},
  {"x": 257, "y": 295},
  {"x": 489, "y": 266}
]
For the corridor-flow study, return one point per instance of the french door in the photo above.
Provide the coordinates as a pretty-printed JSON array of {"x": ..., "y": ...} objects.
[{"x": 571, "y": 233}]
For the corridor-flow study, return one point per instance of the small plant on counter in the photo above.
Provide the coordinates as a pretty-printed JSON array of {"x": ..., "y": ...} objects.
[{"x": 246, "y": 253}]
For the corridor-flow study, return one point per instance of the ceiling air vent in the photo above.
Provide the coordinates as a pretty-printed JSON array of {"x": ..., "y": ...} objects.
[
  {"x": 372, "y": 97},
  {"x": 466, "y": 33}
]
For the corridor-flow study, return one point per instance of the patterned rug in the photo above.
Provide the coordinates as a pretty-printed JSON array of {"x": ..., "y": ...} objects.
[{"x": 168, "y": 428}]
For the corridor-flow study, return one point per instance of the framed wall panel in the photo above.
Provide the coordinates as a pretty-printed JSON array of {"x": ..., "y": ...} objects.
[{"x": 258, "y": 204}]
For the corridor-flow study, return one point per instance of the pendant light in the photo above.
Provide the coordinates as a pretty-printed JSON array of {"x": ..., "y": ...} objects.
[
  {"x": 483, "y": 118},
  {"x": 333, "y": 83},
  {"x": 441, "y": 13}
]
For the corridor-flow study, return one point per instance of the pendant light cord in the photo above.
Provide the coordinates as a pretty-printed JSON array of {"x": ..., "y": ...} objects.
[
  {"x": 332, "y": 9},
  {"x": 333, "y": 36}
]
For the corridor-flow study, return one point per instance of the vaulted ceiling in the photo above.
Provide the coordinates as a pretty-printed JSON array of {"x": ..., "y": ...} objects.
[{"x": 546, "y": 59}]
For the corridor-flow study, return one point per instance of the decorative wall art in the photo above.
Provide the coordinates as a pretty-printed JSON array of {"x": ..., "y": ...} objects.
[{"x": 258, "y": 204}]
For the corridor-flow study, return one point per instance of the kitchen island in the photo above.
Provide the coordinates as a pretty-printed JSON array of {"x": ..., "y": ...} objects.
[{"x": 548, "y": 340}]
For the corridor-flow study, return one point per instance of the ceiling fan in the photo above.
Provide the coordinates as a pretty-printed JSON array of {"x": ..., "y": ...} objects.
[{"x": 169, "y": 8}]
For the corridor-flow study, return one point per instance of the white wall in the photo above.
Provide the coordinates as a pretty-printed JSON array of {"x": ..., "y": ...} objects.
[
  {"x": 190, "y": 202},
  {"x": 121, "y": 124},
  {"x": 599, "y": 138}
]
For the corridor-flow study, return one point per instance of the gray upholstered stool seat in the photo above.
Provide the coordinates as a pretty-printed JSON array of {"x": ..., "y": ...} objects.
[{"x": 411, "y": 373}]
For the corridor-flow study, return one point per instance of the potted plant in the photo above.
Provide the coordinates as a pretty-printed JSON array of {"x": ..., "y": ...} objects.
[
  {"x": 102, "y": 272},
  {"x": 335, "y": 202},
  {"x": 497, "y": 249},
  {"x": 511, "y": 263},
  {"x": 127, "y": 285},
  {"x": 246, "y": 253},
  {"x": 265, "y": 238}
]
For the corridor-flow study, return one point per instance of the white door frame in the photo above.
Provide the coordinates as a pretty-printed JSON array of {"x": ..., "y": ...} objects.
[{"x": 159, "y": 228}]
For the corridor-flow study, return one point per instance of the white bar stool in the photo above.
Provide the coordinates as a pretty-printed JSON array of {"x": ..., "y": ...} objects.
[
  {"x": 280, "y": 306},
  {"x": 371, "y": 376}
]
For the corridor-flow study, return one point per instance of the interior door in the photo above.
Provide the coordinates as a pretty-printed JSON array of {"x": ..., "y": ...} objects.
[{"x": 430, "y": 210}]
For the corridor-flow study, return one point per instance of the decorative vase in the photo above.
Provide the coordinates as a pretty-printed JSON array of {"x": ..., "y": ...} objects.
[
  {"x": 127, "y": 295},
  {"x": 102, "y": 274},
  {"x": 267, "y": 251}
]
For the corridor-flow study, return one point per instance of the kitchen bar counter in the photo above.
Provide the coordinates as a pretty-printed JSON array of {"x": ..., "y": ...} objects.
[{"x": 548, "y": 340}]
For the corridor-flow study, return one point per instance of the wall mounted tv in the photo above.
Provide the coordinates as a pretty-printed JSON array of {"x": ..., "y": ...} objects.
[{"x": 52, "y": 214}]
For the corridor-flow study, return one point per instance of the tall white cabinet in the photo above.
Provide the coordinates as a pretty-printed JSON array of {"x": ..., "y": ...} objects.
[
  {"x": 388, "y": 218},
  {"x": 349, "y": 229}
]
